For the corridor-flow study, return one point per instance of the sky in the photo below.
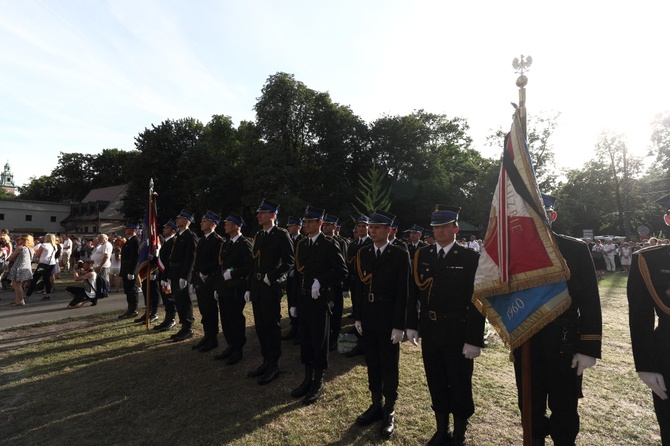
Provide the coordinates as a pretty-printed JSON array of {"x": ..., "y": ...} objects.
[{"x": 83, "y": 76}]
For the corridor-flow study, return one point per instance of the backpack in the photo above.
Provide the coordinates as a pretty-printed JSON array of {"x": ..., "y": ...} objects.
[{"x": 102, "y": 287}]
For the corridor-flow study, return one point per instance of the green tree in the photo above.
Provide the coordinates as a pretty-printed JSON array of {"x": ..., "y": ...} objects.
[{"x": 372, "y": 194}]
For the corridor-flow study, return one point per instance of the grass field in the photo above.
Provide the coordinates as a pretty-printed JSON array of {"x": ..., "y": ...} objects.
[{"x": 100, "y": 381}]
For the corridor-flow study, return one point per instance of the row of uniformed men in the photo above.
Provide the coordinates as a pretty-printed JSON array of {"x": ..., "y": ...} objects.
[{"x": 387, "y": 292}]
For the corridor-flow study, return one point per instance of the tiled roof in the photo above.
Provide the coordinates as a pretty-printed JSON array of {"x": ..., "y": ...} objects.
[{"x": 104, "y": 193}]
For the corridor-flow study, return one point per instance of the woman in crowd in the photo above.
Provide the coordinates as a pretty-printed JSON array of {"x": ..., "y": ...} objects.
[
  {"x": 599, "y": 259},
  {"x": 115, "y": 279},
  {"x": 626, "y": 255},
  {"x": 46, "y": 260},
  {"x": 21, "y": 271},
  {"x": 5, "y": 251}
]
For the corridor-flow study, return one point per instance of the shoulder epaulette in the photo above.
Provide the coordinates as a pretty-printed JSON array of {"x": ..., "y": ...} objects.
[{"x": 649, "y": 248}]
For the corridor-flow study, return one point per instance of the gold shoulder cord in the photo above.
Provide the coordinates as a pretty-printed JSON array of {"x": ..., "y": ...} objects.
[
  {"x": 421, "y": 284},
  {"x": 298, "y": 267},
  {"x": 257, "y": 254},
  {"x": 365, "y": 279},
  {"x": 644, "y": 270}
]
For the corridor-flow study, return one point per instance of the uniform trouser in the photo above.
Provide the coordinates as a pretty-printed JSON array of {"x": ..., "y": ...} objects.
[
  {"x": 154, "y": 297},
  {"x": 382, "y": 358},
  {"x": 554, "y": 383},
  {"x": 662, "y": 407},
  {"x": 209, "y": 307},
  {"x": 130, "y": 289},
  {"x": 314, "y": 328},
  {"x": 233, "y": 322},
  {"x": 169, "y": 304},
  {"x": 183, "y": 304},
  {"x": 611, "y": 264},
  {"x": 336, "y": 315},
  {"x": 449, "y": 377},
  {"x": 266, "y": 304}
]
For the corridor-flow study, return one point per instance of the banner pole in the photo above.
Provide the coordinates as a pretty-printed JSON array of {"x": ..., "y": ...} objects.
[{"x": 148, "y": 277}]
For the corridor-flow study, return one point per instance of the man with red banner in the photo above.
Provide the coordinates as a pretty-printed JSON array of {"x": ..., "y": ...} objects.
[{"x": 539, "y": 290}]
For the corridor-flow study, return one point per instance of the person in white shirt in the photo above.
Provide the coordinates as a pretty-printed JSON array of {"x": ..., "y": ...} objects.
[
  {"x": 66, "y": 251},
  {"x": 102, "y": 256}
]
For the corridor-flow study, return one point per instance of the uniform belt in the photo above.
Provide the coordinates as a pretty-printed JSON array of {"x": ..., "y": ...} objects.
[{"x": 437, "y": 316}]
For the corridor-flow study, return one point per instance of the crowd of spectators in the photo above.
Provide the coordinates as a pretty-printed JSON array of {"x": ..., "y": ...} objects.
[{"x": 615, "y": 256}]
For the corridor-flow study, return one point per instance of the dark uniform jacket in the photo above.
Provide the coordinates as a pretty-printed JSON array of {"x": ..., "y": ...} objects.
[
  {"x": 206, "y": 260},
  {"x": 584, "y": 312},
  {"x": 183, "y": 255},
  {"x": 164, "y": 256},
  {"x": 412, "y": 250},
  {"x": 130, "y": 254},
  {"x": 235, "y": 256},
  {"x": 322, "y": 261},
  {"x": 352, "y": 250},
  {"x": 272, "y": 255},
  {"x": 400, "y": 244},
  {"x": 440, "y": 305},
  {"x": 649, "y": 299},
  {"x": 382, "y": 288}
]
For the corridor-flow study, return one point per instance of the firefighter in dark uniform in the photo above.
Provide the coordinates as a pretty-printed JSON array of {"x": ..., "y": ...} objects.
[
  {"x": 181, "y": 264},
  {"x": 235, "y": 261},
  {"x": 293, "y": 226},
  {"x": 319, "y": 267},
  {"x": 649, "y": 319},
  {"x": 362, "y": 239},
  {"x": 415, "y": 233},
  {"x": 383, "y": 274},
  {"x": 329, "y": 226},
  {"x": 130, "y": 254},
  {"x": 429, "y": 237},
  {"x": 204, "y": 280},
  {"x": 394, "y": 240},
  {"x": 169, "y": 236},
  {"x": 450, "y": 325},
  {"x": 564, "y": 348},
  {"x": 272, "y": 260}
]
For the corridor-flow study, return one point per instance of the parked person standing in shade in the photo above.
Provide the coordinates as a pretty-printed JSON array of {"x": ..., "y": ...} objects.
[
  {"x": 181, "y": 266},
  {"x": 130, "y": 254}
]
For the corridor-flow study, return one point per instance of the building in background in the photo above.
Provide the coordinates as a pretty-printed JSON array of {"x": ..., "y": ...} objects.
[
  {"x": 7, "y": 180},
  {"x": 32, "y": 217},
  {"x": 98, "y": 212}
]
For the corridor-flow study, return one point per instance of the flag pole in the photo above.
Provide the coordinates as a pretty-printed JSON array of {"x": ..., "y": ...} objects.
[
  {"x": 521, "y": 65},
  {"x": 148, "y": 277}
]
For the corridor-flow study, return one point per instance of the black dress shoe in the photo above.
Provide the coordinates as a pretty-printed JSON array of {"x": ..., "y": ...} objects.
[
  {"x": 235, "y": 357},
  {"x": 227, "y": 353},
  {"x": 388, "y": 425},
  {"x": 210, "y": 344},
  {"x": 259, "y": 371},
  {"x": 372, "y": 414},
  {"x": 128, "y": 315},
  {"x": 140, "y": 319},
  {"x": 200, "y": 343},
  {"x": 271, "y": 373},
  {"x": 183, "y": 335},
  {"x": 165, "y": 325}
]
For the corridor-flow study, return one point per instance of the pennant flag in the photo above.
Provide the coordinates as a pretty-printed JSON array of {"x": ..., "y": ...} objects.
[
  {"x": 521, "y": 281},
  {"x": 150, "y": 243}
]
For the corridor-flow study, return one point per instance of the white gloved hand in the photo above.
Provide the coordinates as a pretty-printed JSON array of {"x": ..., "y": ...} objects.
[
  {"x": 203, "y": 277},
  {"x": 163, "y": 284},
  {"x": 359, "y": 327},
  {"x": 266, "y": 280},
  {"x": 293, "y": 311},
  {"x": 316, "y": 286},
  {"x": 131, "y": 276},
  {"x": 582, "y": 362},
  {"x": 396, "y": 336},
  {"x": 182, "y": 283},
  {"x": 471, "y": 351},
  {"x": 655, "y": 382},
  {"x": 247, "y": 296},
  {"x": 345, "y": 294},
  {"x": 227, "y": 275},
  {"x": 413, "y": 336}
]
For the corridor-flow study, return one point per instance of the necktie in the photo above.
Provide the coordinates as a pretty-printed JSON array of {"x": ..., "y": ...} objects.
[
  {"x": 311, "y": 242},
  {"x": 379, "y": 252},
  {"x": 440, "y": 256}
]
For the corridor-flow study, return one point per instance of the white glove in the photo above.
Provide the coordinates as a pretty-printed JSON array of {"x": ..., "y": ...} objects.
[
  {"x": 266, "y": 280},
  {"x": 345, "y": 294},
  {"x": 471, "y": 351},
  {"x": 203, "y": 277},
  {"x": 655, "y": 382},
  {"x": 359, "y": 327},
  {"x": 153, "y": 276},
  {"x": 227, "y": 275},
  {"x": 163, "y": 284},
  {"x": 396, "y": 336},
  {"x": 293, "y": 311},
  {"x": 182, "y": 283},
  {"x": 131, "y": 276},
  {"x": 413, "y": 336},
  {"x": 582, "y": 362},
  {"x": 316, "y": 286},
  {"x": 247, "y": 296},
  {"x": 216, "y": 295}
]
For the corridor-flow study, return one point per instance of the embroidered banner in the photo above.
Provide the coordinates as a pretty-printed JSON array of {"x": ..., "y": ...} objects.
[
  {"x": 150, "y": 243},
  {"x": 521, "y": 281}
]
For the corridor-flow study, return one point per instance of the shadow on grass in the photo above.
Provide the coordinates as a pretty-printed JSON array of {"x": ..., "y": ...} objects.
[{"x": 117, "y": 383}]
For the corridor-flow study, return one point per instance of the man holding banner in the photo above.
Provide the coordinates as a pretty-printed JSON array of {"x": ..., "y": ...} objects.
[{"x": 539, "y": 290}]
